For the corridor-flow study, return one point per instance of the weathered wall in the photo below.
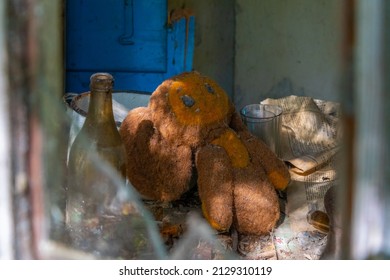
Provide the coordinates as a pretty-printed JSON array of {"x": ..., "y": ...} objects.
[
  {"x": 269, "y": 48},
  {"x": 285, "y": 47},
  {"x": 214, "y": 38}
]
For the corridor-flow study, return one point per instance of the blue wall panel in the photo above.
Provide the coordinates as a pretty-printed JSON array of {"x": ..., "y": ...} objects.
[{"x": 128, "y": 38}]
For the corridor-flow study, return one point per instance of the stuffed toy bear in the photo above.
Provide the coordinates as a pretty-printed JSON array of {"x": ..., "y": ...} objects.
[{"x": 190, "y": 133}]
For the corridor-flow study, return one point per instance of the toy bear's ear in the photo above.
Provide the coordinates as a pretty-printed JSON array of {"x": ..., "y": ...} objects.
[
  {"x": 137, "y": 121},
  {"x": 237, "y": 125},
  {"x": 147, "y": 153}
]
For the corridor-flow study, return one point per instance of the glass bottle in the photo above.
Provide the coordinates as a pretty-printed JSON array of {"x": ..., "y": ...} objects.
[{"x": 96, "y": 155}]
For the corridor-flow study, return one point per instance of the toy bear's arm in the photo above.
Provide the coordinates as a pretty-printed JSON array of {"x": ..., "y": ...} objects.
[
  {"x": 276, "y": 170},
  {"x": 158, "y": 169}
]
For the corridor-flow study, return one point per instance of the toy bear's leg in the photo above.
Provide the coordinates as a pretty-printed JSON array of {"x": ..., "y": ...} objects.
[
  {"x": 256, "y": 203},
  {"x": 158, "y": 169},
  {"x": 215, "y": 179}
]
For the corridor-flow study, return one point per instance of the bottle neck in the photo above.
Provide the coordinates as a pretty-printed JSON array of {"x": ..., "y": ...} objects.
[{"x": 100, "y": 107}]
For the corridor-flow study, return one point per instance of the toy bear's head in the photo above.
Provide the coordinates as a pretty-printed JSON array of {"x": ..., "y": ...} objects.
[{"x": 188, "y": 107}]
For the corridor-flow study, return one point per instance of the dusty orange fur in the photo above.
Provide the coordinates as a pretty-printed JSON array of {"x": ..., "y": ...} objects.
[{"x": 191, "y": 127}]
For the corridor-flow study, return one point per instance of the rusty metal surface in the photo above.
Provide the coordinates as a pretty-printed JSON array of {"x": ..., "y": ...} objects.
[{"x": 32, "y": 62}]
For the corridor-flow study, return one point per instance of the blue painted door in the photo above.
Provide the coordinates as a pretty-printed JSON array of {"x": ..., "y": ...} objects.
[{"x": 131, "y": 39}]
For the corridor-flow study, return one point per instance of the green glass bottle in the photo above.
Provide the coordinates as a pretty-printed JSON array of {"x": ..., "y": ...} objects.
[{"x": 91, "y": 192}]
